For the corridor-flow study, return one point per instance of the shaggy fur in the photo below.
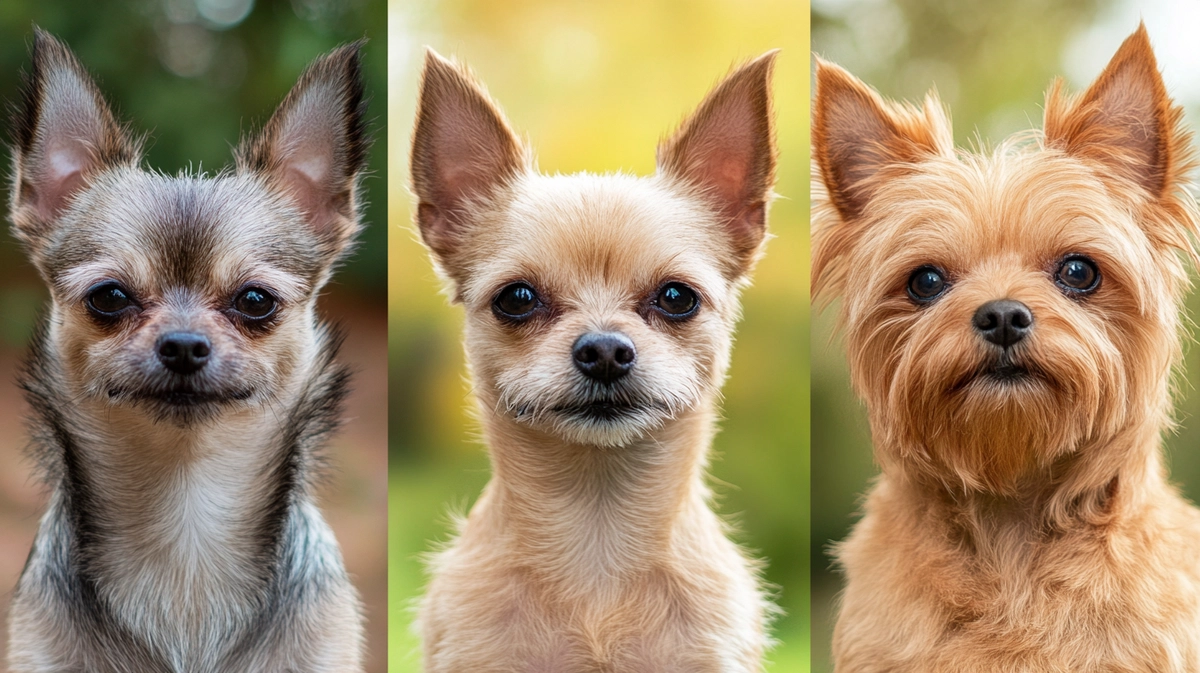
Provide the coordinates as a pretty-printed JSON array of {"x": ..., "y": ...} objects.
[
  {"x": 1023, "y": 521},
  {"x": 593, "y": 548},
  {"x": 182, "y": 532}
]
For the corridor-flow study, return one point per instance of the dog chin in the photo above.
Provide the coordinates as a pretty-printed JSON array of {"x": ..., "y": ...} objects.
[{"x": 181, "y": 406}]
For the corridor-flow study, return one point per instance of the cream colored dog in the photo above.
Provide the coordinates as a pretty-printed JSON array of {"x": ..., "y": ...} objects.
[{"x": 600, "y": 311}]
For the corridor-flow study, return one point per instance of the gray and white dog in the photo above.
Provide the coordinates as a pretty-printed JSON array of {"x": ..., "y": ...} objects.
[{"x": 181, "y": 385}]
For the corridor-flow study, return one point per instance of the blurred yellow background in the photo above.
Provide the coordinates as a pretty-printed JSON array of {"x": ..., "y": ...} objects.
[
  {"x": 595, "y": 86},
  {"x": 991, "y": 63}
]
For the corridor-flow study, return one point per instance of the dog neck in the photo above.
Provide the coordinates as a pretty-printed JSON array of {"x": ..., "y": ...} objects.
[
  {"x": 1094, "y": 485},
  {"x": 586, "y": 517},
  {"x": 178, "y": 528}
]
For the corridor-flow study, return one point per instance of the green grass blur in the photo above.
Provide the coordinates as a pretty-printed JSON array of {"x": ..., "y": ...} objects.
[
  {"x": 991, "y": 63},
  {"x": 594, "y": 86}
]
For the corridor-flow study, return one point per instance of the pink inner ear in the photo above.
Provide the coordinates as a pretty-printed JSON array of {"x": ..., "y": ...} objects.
[
  {"x": 462, "y": 152},
  {"x": 60, "y": 175},
  {"x": 1129, "y": 103},
  {"x": 72, "y": 128},
  {"x": 1123, "y": 121},
  {"x": 724, "y": 158},
  {"x": 307, "y": 175},
  {"x": 726, "y": 149},
  {"x": 473, "y": 151},
  {"x": 306, "y": 151}
]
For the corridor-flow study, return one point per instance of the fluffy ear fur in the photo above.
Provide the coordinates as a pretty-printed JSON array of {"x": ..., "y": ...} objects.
[
  {"x": 63, "y": 133},
  {"x": 859, "y": 141},
  {"x": 726, "y": 148},
  {"x": 463, "y": 151},
  {"x": 858, "y": 138},
  {"x": 1126, "y": 124},
  {"x": 315, "y": 146}
]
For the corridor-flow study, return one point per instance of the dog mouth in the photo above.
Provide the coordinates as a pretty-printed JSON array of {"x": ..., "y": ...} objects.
[
  {"x": 182, "y": 397},
  {"x": 603, "y": 410},
  {"x": 1003, "y": 371},
  {"x": 596, "y": 411}
]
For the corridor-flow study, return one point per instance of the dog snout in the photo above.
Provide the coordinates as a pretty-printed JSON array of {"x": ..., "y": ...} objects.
[
  {"x": 1003, "y": 322},
  {"x": 184, "y": 352},
  {"x": 604, "y": 356}
]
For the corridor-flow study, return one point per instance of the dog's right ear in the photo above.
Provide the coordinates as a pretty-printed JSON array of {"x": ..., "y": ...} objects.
[
  {"x": 856, "y": 136},
  {"x": 859, "y": 141},
  {"x": 463, "y": 151},
  {"x": 63, "y": 133}
]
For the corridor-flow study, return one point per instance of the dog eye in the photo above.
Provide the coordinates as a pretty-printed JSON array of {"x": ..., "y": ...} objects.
[
  {"x": 1078, "y": 274},
  {"x": 926, "y": 284},
  {"x": 109, "y": 299},
  {"x": 677, "y": 301},
  {"x": 255, "y": 303},
  {"x": 516, "y": 302}
]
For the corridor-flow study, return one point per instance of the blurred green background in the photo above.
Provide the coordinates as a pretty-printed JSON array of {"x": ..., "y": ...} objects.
[
  {"x": 991, "y": 63},
  {"x": 196, "y": 74},
  {"x": 595, "y": 85}
]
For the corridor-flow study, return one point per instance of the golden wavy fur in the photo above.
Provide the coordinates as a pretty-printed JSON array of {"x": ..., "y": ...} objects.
[{"x": 1023, "y": 521}]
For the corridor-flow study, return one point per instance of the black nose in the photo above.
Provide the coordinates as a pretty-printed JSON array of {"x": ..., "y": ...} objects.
[
  {"x": 183, "y": 352},
  {"x": 604, "y": 356},
  {"x": 1003, "y": 322}
]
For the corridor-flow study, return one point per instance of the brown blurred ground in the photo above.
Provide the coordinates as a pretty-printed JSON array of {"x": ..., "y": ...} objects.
[{"x": 354, "y": 502}]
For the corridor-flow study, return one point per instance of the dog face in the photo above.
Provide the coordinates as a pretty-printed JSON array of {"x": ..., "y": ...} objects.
[
  {"x": 1008, "y": 310},
  {"x": 598, "y": 307},
  {"x": 184, "y": 296}
]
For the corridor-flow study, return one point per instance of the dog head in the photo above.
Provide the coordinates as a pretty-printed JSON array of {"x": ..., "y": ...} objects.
[
  {"x": 598, "y": 307},
  {"x": 1005, "y": 310},
  {"x": 184, "y": 295}
]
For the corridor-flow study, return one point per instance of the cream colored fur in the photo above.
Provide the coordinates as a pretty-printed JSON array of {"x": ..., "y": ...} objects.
[{"x": 594, "y": 547}]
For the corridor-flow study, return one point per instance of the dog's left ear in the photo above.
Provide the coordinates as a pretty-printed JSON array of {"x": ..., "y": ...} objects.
[
  {"x": 315, "y": 147},
  {"x": 1125, "y": 123},
  {"x": 726, "y": 148}
]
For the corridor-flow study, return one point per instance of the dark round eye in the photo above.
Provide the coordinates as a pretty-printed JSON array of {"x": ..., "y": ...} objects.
[
  {"x": 517, "y": 301},
  {"x": 109, "y": 299},
  {"x": 926, "y": 284},
  {"x": 1078, "y": 274},
  {"x": 255, "y": 303},
  {"x": 677, "y": 300}
]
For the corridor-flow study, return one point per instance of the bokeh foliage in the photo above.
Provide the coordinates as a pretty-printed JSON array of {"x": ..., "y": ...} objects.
[
  {"x": 594, "y": 86},
  {"x": 990, "y": 63}
]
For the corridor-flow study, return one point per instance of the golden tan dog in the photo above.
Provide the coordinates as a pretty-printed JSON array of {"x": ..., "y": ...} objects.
[
  {"x": 600, "y": 311},
  {"x": 1012, "y": 320}
]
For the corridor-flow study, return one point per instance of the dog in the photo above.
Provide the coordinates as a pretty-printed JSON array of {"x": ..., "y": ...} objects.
[
  {"x": 599, "y": 316},
  {"x": 181, "y": 385},
  {"x": 1012, "y": 319}
]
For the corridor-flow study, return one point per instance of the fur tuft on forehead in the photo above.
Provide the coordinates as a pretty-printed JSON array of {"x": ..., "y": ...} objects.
[{"x": 208, "y": 234}]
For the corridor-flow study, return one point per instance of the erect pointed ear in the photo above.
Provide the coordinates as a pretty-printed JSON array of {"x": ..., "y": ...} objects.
[
  {"x": 63, "y": 133},
  {"x": 727, "y": 149},
  {"x": 315, "y": 146},
  {"x": 463, "y": 151},
  {"x": 858, "y": 138},
  {"x": 1124, "y": 121}
]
